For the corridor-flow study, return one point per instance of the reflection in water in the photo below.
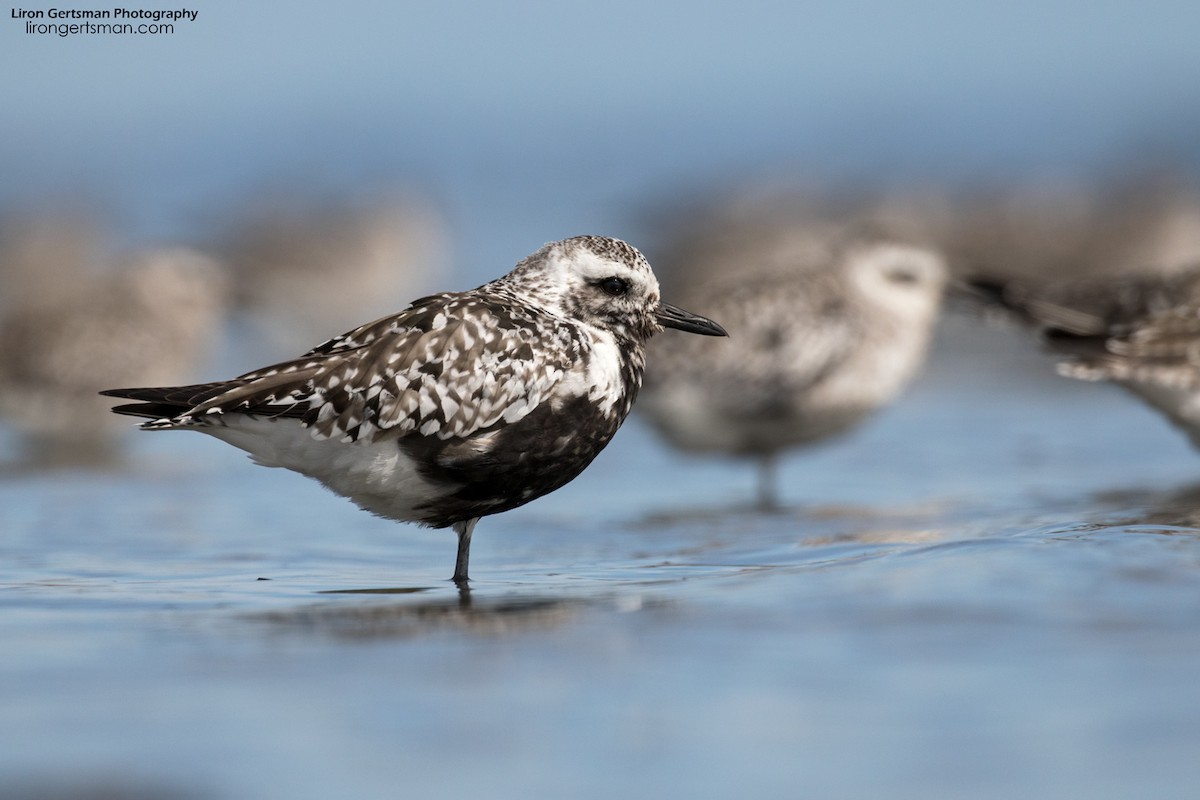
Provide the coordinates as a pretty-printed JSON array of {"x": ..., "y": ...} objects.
[
  {"x": 803, "y": 528},
  {"x": 742, "y": 514},
  {"x": 1179, "y": 507},
  {"x": 396, "y": 590},
  {"x": 399, "y": 620}
]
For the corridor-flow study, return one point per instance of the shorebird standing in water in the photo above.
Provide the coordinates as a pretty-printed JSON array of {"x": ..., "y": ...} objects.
[
  {"x": 825, "y": 328},
  {"x": 463, "y": 405}
]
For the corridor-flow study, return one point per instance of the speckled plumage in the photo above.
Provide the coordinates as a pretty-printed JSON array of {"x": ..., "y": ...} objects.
[
  {"x": 464, "y": 404},
  {"x": 1140, "y": 332},
  {"x": 825, "y": 328}
]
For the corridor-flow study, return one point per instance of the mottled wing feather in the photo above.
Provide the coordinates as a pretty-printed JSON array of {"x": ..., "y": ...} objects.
[
  {"x": 1141, "y": 328},
  {"x": 365, "y": 334},
  {"x": 1164, "y": 349},
  {"x": 447, "y": 368},
  {"x": 273, "y": 393},
  {"x": 1173, "y": 336}
]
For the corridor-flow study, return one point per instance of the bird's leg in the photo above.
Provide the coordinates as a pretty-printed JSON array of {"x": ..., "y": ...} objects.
[
  {"x": 463, "y": 529},
  {"x": 464, "y": 594}
]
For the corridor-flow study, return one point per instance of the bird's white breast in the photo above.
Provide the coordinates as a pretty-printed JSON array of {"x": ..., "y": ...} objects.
[
  {"x": 600, "y": 377},
  {"x": 378, "y": 476}
]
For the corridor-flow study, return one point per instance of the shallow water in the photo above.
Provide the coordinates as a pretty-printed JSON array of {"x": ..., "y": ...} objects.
[{"x": 992, "y": 590}]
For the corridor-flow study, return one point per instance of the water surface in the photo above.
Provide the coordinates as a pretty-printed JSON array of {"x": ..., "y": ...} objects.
[{"x": 991, "y": 590}]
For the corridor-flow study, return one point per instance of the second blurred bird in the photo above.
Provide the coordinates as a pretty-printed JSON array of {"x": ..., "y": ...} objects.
[
  {"x": 74, "y": 319},
  {"x": 828, "y": 317},
  {"x": 307, "y": 269}
]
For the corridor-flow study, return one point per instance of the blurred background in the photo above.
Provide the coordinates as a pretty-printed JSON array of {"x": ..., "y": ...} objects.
[
  {"x": 388, "y": 150},
  {"x": 989, "y": 589},
  {"x": 534, "y": 121}
]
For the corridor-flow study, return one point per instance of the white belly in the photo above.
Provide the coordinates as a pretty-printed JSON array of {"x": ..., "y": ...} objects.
[{"x": 377, "y": 476}]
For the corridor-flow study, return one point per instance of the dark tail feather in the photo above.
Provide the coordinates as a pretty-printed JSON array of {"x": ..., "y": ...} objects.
[
  {"x": 165, "y": 401},
  {"x": 175, "y": 395},
  {"x": 149, "y": 410}
]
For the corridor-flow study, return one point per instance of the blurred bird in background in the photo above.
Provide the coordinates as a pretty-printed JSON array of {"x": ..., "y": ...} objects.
[
  {"x": 1108, "y": 278},
  {"x": 304, "y": 269},
  {"x": 828, "y": 317},
  {"x": 40, "y": 251},
  {"x": 148, "y": 317}
]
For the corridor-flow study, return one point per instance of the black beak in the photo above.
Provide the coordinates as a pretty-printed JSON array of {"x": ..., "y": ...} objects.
[{"x": 670, "y": 316}]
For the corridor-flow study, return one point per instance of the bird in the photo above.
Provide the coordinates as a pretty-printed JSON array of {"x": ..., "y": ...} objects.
[
  {"x": 147, "y": 317},
  {"x": 1107, "y": 276},
  {"x": 1139, "y": 331},
  {"x": 827, "y": 324},
  {"x": 463, "y": 405}
]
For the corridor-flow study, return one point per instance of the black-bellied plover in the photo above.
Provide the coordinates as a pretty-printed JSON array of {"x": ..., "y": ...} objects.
[
  {"x": 147, "y": 318},
  {"x": 1142, "y": 333},
  {"x": 1107, "y": 275},
  {"x": 825, "y": 327},
  {"x": 463, "y": 405}
]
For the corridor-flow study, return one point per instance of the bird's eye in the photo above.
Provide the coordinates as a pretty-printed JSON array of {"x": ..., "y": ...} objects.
[
  {"x": 903, "y": 276},
  {"x": 614, "y": 286}
]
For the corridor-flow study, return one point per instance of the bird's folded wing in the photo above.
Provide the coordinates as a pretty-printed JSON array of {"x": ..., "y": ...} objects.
[
  {"x": 430, "y": 370},
  {"x": 1170, "y": 343}
]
